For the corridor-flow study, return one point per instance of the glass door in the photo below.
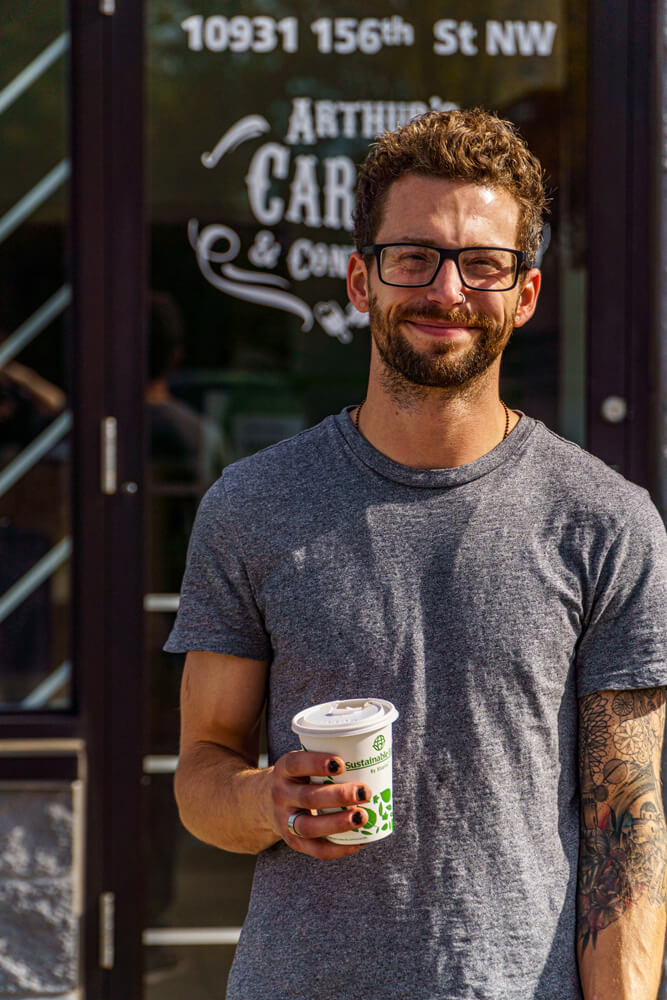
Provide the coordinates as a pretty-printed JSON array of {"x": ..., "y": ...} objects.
[
  {"x": 255, "y": 122},
  {"x": 35, "y": 415}
]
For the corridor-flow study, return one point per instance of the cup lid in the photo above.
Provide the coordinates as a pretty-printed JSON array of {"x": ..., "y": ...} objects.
[{"x": 345, "y": 718}]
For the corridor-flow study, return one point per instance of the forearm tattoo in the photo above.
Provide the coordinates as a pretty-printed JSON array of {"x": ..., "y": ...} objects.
[{"x": 623, "y": 848}]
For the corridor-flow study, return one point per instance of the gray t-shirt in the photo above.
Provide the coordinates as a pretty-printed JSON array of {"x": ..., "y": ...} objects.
[{"x": 482, "y": 601}]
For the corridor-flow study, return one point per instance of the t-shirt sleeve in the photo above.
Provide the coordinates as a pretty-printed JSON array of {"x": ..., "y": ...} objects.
[
  {"x": 624, "y": 642},
  {"x": 218, "y": 612}
]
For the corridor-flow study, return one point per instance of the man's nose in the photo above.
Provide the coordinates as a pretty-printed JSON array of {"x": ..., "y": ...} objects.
[{"x": 447, "y": 287}]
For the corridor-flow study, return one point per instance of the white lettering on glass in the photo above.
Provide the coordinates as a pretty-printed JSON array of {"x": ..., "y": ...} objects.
[
  {"x": 241, "y": 34},
  {"x": 300, "y": 128},
  {"x": 525, "y": 38},
  {"x": 345, "y": 35},
  {"x": 339, "y": 180},
  {"x": 301, "y": 189},
  {"x": 338, "y": 323},
  {"x": 454, "y": 36},
  {"x": 306, "y": 259},
  {"x": 312, "y": 120},
  {"x": 247, "y": 285},
  {"x": 246, "y": 128},
  {"x": 272, "y": 162},
  {"x": 348, "y": 35},
  {"x": 265, "y": 251},
  {"x": 325, "y": 120},
  {"x": 304, "y": 193},
  {"x": 269, "y": 160}
]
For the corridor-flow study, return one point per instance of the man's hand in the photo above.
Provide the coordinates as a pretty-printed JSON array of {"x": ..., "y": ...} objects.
[
  {"x": 224, "y": 799},
  {"x": 292, "y": 792}
]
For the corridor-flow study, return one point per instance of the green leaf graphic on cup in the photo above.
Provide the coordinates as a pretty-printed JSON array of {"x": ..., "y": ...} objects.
[
  {"x": 382, "y": 822},
  {"x": 372, "y": 817}
]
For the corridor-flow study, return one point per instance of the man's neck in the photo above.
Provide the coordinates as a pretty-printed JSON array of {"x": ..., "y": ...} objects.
[{"x": 432, "y": 428}]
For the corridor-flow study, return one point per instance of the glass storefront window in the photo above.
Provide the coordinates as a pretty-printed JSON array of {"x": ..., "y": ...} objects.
[
  {"x": 256, "y": 123},
  {"x": 250, "y": 207},
  {"x": 35, "y": 542}
]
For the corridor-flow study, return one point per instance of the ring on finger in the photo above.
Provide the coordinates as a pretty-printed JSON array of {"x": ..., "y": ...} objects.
[{"x": 290, "y": 823}]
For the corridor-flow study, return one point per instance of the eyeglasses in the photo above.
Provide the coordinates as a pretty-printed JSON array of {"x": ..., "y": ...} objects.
[{"x": 414, "y": 265}]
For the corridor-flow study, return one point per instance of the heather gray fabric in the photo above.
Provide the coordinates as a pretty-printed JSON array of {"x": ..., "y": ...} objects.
[{"x": 482, "y": 601}]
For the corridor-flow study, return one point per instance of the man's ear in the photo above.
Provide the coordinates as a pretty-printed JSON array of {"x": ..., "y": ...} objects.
[
  {"x": 528, "y": 296},
  {"x": 357, "y": 282}
]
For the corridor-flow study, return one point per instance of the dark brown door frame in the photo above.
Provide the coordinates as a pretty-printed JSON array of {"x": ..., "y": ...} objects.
[
  {"x": 88, "y": 334},
  {"x": 623, "y": 220},
  {"x": 108, "y": 275},
  {"x": 125, "y": 364}
]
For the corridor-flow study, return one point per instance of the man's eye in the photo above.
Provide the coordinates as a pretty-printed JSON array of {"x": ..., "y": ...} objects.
[
  {"x": 487, "y": 263},
  {"x": 413, "y": 257},
  {"x": 484, "y": 262}
]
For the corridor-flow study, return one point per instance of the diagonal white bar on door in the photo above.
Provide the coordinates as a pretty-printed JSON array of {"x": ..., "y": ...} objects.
[
  {"x": 35, "y": 577},
  {"x": 191, "y": 935},
  {"x": 41, "y": 446},
  {"x": 39, "y": 320},
  {"x": 30, "y": 202},
  {"x": 33, "y": 71},
  {"x": 44, "y": 692}
]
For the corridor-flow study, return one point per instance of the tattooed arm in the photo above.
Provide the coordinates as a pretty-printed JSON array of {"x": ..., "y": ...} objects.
[{"x": 623, "y": 846}]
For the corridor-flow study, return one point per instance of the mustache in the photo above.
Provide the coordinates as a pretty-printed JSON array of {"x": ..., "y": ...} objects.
[{"x": 457, "y": 316}]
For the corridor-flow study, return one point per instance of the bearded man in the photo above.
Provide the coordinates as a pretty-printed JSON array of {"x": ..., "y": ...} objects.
[{"x": 504, "y": 589}]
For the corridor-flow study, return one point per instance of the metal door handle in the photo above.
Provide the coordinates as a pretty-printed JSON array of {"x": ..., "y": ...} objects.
[
  {"x": 109, "y": 456},
  {"x": 107, "y": 929}
]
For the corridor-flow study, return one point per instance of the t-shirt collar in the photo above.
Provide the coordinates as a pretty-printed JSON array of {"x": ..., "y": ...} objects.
[{"x": 432, "y": 478}]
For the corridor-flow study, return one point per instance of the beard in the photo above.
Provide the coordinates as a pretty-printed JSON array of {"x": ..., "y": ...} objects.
[{"x": 445, "y": 365}]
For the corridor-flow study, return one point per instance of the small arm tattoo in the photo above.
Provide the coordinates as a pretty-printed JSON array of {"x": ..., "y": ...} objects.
[{"x": 623, "y": 845}]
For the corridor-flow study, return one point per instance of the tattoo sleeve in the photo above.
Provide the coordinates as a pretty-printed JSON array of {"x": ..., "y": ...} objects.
[{"x": 623, "y": 845}]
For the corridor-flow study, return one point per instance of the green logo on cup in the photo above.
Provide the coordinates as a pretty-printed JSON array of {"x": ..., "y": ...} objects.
[{"x": 379, "y": 742}]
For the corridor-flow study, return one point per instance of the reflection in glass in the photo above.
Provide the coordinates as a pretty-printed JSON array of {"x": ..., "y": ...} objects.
[
  {"x": 35, "y": 543},
  {"x": 185, "y": 445},
  {"x": 188, "y": 885},
  {"x": 186, "y": 453},
  {"x": 196, "y": 972}
]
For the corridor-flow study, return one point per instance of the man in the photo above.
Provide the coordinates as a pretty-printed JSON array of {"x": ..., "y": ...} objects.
[{"x": 436, "y": 549}]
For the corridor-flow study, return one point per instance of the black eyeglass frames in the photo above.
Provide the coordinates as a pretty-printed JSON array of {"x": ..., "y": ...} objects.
[{"x": 415, "y": 265}]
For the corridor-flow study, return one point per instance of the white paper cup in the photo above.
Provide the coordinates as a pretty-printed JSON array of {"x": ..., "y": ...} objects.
[{"x": 359, "y": 731}]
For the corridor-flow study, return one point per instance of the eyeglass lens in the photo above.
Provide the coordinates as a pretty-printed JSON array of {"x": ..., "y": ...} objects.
[{"x": 489, "y": 268}]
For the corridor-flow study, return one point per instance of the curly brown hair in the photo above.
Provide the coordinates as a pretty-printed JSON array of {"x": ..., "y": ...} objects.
[{"x": 474, "y": 146}]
